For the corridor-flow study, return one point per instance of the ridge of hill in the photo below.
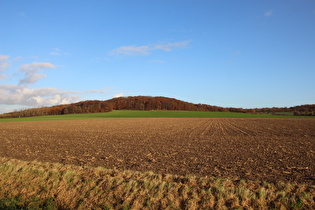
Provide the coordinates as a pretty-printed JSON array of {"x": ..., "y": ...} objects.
[{"x": 151, "y": 103}]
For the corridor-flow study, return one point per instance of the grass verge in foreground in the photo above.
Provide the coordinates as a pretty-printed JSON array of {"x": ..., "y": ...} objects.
[
  {"x": 56, "y": 186},
  {"x": 146, "y": 114}
]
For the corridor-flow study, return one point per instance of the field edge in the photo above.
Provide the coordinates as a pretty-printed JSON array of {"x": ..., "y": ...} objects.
[
  {"x": 42, "y": 184},
  {"x": 148, "y": 114}
]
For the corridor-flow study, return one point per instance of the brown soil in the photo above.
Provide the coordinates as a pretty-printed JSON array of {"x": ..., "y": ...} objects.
[{"x": 255, "y": 149}]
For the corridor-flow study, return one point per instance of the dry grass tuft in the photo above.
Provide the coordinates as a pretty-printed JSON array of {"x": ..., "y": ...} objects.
[{"x": 57, "y": 186}]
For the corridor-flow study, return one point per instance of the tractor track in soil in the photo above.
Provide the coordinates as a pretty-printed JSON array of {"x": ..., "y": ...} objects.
[{"x": 254, "y": 149}]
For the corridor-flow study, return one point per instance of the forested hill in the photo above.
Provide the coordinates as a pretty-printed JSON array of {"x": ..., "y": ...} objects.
[
  {"x": 149, "y": 103},
  {"x": 158, "y": 103}
]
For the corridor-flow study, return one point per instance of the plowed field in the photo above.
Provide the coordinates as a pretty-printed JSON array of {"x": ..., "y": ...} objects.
[{"x": 255, "y": 149}]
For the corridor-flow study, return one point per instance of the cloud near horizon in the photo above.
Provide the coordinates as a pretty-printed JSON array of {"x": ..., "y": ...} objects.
[
  {"x": 21, "y": 95},
  {"x": 118, "y": 95},
  {"x": 132, "y": 50}
]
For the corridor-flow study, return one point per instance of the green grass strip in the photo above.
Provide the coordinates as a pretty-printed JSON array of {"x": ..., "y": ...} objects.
[{"x": 148, "y": 114}]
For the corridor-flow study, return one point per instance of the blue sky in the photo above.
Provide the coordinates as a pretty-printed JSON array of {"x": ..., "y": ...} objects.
[{"x": 230, "y": 53}]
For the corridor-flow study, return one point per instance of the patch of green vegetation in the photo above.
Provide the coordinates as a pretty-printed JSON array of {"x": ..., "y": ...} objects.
[
  {"x": 147, "y": 114},
  {"x": 12, "y": 203},
  {"x": 284, "y": 113},
  {"x": 33, "y": 203}
]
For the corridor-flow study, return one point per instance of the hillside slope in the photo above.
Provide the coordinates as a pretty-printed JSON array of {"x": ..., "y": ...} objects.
[{"x": 150, "y": 103}]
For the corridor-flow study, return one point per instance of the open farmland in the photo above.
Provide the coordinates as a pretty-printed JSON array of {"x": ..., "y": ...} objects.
[
  {"x": 252, "y": 149},
  {"x": 147, "y": 114}
]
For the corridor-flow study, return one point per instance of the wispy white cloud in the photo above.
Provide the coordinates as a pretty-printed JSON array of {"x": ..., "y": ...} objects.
[
  {"x": 36, "y": 66},
  {"x": 4, "y": 58},
  {"x": 268, "y": 13},
  {"x": 147, "y": 49},
  {"x": 2, "y": 76},
  {"x": 3, "y": 65},
  {"x": 170, "y": 46},
  {"x": 19, "y": 95},
  {"x": 22, "y": 95},
  {"x": 132, "y": 50},
  {"x": 31, "y": 72},
  {"x": 101, "y": 91}
]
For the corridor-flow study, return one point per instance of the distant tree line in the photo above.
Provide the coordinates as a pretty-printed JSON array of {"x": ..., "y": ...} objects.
[
  {"x": 150, "y": 103},
  {"x": 304, "y": 110}
]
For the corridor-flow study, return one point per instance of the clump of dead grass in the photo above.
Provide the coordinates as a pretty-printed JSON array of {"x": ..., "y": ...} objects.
[{"x": 58, "y": 186}]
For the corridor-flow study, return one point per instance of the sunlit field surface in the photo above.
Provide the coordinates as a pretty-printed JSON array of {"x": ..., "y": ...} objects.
[
  {"x": 147, "y": 114},
  {"x": 157, "y": 163}
]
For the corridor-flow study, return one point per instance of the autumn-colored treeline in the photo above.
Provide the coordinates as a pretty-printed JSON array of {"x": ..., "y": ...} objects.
[
  {"x": 76, "y": 108},
  {"x": 149, "y": 103},
  {"x": 158, "y": 103},
  {"x": 306, "y": 110},
  {"x": 122, "y": 103}
]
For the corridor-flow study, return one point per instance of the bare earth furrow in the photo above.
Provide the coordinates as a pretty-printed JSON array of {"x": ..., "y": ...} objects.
[
  {"x": 264, "y": 149},
  {"x": 242, "y": 130}
]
